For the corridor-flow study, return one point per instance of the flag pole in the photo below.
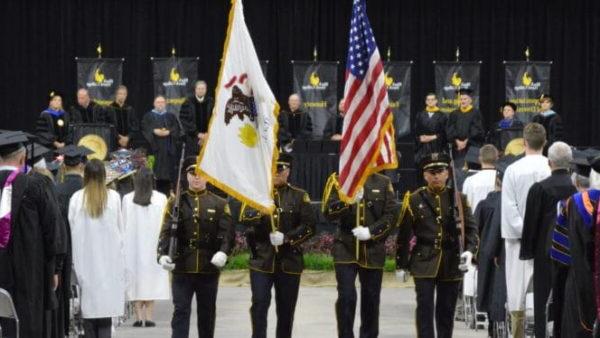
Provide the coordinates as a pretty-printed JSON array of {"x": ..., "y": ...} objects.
[{"x": 357, "y": 225}]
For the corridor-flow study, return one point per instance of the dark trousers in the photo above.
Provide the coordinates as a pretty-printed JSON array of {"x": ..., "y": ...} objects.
[
  {"x": 345, "y": 306},
  {"x": 542, "y": 284},
  {"x": 446, "y": 293},
  {"x": 286, "y": 295},
  {"x": 559, "y": 280},
  {"x": 98, "y": 328},
  {"x": 205, "y": 286}
]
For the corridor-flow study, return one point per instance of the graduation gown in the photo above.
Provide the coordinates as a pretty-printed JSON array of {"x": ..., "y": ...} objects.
[
  {"x": 163, "y": 148},
  {"x": 194, "y": 117},
  {"x": 27, "y": 264},
  {"x": 64, "y": 191},
  {"x": 553, "y": 124},
  {"x": 579, "y": 311},
  {"x": 148, "y": 280},
  {"x": 334, "y": 125},
  {"x": 434, "y": 125},
  {"x": 50, "y": 128},
  {"x": 101, "y": 277},
  {"x": 294, "y": 125},
  {"x": 518, "y": 178},
  {"x": 126, "y": 123},
  {"x": 491, "y": 282},
  {"x": 466, "y": 125},
  {"x": 540, "y": 217},
  {"x": 93, "y": 113}
]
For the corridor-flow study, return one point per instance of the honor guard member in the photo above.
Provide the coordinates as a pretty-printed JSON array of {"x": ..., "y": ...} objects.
[
  {"x": 429, "y": 214},
  {"x": 205, "y": 237},
  {"x": 275, "y": 252},
  {"x": 359, "y": 249}
]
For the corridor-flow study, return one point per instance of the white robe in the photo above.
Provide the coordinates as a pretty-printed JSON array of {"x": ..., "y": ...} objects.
[
  {"x": 146, "y": 280},
  {"x": 518, "y": 178},
  {"x": 476, "y": 188},
  {"x": 99, "y": 257}
]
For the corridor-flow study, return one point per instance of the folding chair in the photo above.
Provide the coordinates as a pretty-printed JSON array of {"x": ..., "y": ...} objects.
[{"x": 7, "y": 309}]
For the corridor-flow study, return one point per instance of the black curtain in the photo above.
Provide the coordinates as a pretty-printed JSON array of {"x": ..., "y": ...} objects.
[{"x": 40, "y": 39}]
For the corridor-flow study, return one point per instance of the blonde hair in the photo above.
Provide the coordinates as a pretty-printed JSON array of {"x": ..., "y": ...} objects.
[{"x": 95, "y": 193}]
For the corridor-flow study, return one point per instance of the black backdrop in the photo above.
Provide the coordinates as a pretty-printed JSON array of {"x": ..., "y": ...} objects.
[{"x": 40, "y": 39}]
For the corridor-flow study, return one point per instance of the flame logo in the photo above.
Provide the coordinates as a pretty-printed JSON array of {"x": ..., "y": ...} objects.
[
  {"x": 248, "y": 135},
  {"x": 527, "y": 80},
  {"x": 174, "y": 75},
  {"x": 98, "y": 76},
  {"x": 456, "y": 80},
  {"x": 314, "y": 79},
  {"x": 388, "y": 79}
]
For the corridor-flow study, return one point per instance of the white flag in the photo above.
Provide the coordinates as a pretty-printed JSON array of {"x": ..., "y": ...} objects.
[{"x": 240, "y": 153}]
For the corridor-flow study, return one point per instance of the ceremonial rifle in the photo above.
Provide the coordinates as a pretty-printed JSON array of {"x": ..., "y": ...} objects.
[
  {"x": 174, "y": 219},
  {"x": 459, "y": 212}
]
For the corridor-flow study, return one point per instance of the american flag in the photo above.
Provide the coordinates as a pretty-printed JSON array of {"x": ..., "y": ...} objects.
[{"x": 368, "y": 136}]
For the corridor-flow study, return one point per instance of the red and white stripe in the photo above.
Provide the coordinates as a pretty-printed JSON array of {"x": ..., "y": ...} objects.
[{"x": 365, "y": 147}]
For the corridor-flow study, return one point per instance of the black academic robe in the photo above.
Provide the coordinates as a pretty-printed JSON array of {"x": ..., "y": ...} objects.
[
  {"x": 334, "y": 125},
  {"x": 194, "y": 117},
  {"x": 30, "y": 256},
  {"x": 294, "y": 126},
  {"x": 164, "y": 149},
  {"x": 554, "y": 128},
  {"x": 126, "y": 122},
  {"x": 536, "y": 240},
  {"x": 64, "y": 191},
  {"x": 501, "y": 137},
  {"x": 434, "y": 125},
  {"x": 579, "y": 311},
  {"x": 93, "y": 113},
  {"x": 50, "y": 128},
  {"x": 467, "y": 125},
  {"x": 491, "y": 278}
]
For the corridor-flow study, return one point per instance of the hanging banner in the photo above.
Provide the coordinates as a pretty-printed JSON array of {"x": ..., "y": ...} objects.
[
  {"x": 316, "y": 82},
  {"x": 174, "y": 78},
  {"x": 397, "y": 81},
  {"x": 525, "y": 83},
  {"x": 100, "y": 77},
  {"x": 452, "y": 76}
]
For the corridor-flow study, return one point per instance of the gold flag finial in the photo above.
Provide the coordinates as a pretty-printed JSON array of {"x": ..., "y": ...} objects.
[
  {"x": 99, "y": 50},
  {"x": 389, "y": 53},
  {"x": 315, "y": 54},
  {"x": 173, "y": 51},
  {"x": 457, "y": 54},
  {"x": 527, "y": 54}
]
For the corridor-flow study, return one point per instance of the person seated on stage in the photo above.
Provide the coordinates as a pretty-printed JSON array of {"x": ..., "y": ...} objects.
[
  {"x": 294, "y": 124},
  {"x": 430, "y": 129},
  {"x": 509, "y": 120},
  {"x": 52, "y": 127},
  {"x": 551, "y": 121},
  {"x": 507, "y": 129},
  {"x": 88, "y": 111},
  {"x": 161, "y": 130},
  {"x": 465, "y": 127},
  {"x": 195, "y": 115},
  {"x": 127, "y": 124},
  {"x": 333, "y": 128}
]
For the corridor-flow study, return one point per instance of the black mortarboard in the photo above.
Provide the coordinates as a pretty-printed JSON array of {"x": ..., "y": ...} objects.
[
  {"x": 189, "y": 164},
  {"x": 581, "y": 161},
  {"x": 503, "y": 163},
  {"x": 435, "y": 161},
  {"x": 53, "y": 94},
  {"x": 284, "y": 161},
  {"x": 36, "y": 152},
  {"x": 472, "y": 155},
  {"x": 510, "y": 104},
  {"x": 546, "y": 97},
  {"x": 595, "y": 162},
  {"x": 465, "y": 91},
  {"x": 74, "y": 155},
  {"x": 11, "y": 141}
]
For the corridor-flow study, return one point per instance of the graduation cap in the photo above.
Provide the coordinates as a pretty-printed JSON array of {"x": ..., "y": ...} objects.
[
  {"x": 36, "y": 152},
  {"x": 582, "y": 160},
  {"x": 284, "y": 161},
  {"x": 465, "y": 91},
  {"x": 510, "y": 104},
  {"x": 74, "y": 155},
  {"x": 546, "y": 97},
  {"x": 11, "y": 141},
  {"x": 54, "y": 94},
  {"x": 503, "y": 163}
]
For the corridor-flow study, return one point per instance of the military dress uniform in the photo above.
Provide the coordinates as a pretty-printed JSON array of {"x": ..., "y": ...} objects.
[
  {"x": 435, "y": 259},
  {"x": 279, "y": 266},
  {"x": 205, "y": 227},
  {"x": 366, "y": 258}
]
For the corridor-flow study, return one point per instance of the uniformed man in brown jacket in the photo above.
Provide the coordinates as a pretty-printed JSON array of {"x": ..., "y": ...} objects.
[
  {"x": 359, "y": 249},
  {"x": 429, "y": 215},
  {"x": 205, "y": 237},
  {"x": 276, "y": 258}
]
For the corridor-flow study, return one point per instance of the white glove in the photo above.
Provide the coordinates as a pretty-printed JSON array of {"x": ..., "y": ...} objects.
[
  {"x": 362, "y": 233},
  {"x": 402, "y": 275},
  {"x": 276, "y": 238},
  {"x": 219, "y": 259},
  {"x": 360, "y": 194},
  {"x": 466, "y": 261},
  {"x": 166, "y": 263}
]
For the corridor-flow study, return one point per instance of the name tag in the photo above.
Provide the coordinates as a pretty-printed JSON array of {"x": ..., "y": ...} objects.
[
  {"x": 376, "y": 191},
  {"x": 211, "y": 211}
]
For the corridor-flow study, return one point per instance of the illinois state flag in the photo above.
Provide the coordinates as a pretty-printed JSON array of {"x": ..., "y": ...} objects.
[{"x": 240, "y": 153}]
